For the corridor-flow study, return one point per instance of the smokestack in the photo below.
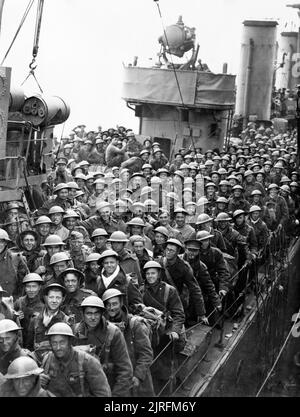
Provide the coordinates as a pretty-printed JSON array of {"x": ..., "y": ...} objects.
[{"x": 255, "y": 78}]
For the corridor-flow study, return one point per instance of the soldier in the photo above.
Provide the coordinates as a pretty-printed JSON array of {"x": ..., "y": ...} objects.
[
  {"x": 92, "y": 272},
  {"x": 56, "y": 215},
  {"x": 179, "y": 274},
  {"x": 237, "y": 201},
  {"x": 61, "y": 199},
  {"x": 260, "y": 228},
  {"x": 108, "y": 344},
  {"x": 128, "y": 262},
  {"x": 23, "y": 380},
  {"x": 31, "y": 304},
  {"x": 29, "y": 245},
  {"x": 59, "y": 262},
  {"x": 70, "y": 372},
  {"x": 99, "y": 238},
  {"x": 186, "y": 231},
  {"x": 78, "y": 251},
  {"x": 136, "y": 226},
  {"x": 165, "y": 298},
  {"x": 73, "y": 279},
  {"x": 10, "y": 348},
  {"x": 113, "y": 276},
  {"x": 70, "y": 220},
  {"x": 102, "y": 219},
  {"x": 37, "y": 339},
  {"x": 42, "y": 227},
  {"x": 13, "y": 267},
  {"x": 244, "y": 229},
  {"x": 204, "y": 222},
  {"x": 136, "y": 334},
  {"x": 53, "y": 244}
]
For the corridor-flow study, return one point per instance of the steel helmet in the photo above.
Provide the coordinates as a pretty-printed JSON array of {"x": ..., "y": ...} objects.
[
  {"x": 92, "y": 301},
  {"x": 43, "y": 220},
  {"x": 237, "y": 187},
  {"x": 112, "y": 292},
  {"x": 22, "y": 367},
  {"x": 73, "y": 185},
  {"x": 136, "y": 221},
  {"x": 118, "y": 237},
  {"x": 237, "y": 213},
  {"x": 222, "y": 171},
  {"x": 184, "y": 166},
  {"x": 150, "y": 202},
  {"x": 74, "y": 271},
  {"x": 102, "y": 204},
  {"x": 93, "y": 257},
  {"x": 71, "y": 213},
  {"x": 248, "y": 172},
  {"x": 293, "y": 184},
  {"x": 53, "y": 240},
  {"x": 285, "y": 179},
  {"x": 211, "y": 184},
  {"x": 4, "y": 235},
  {"x": 99, "y": 232},
  {"x": 54, "y": 286},
  {"x": 32, "y": 277},
  {"x": 146, "y": 166},
  {"x": 256, "y": 192},
  {"x": 7, "y": 325},
  {"x": 108, "y": 253},
  {"x": 59, "y": 187},
  {"x": 152, "y": 264},
  {"x": 222, "y": 200},
  {"x": 146, "y": 190},
  {"x": 56, "y": 209},
  {"x": 162, "y": 230},
  {"x": 254, "y": 208},
  {"x": 273, "y": 186},
  {"x": 203, "y": 235},
  {"x": 60, "y": 329},
  {"x": 224, "y": 182},
  {"x": 181, "y": 210},
  {"x": 222, "y": 217},
  {"x": 176, "y": 242},
  {"x": 203, "y": 218},
  {"x": 192, "y": 244},
  {"x": 59, "y": 257},
  {"x": 202, "y": 201},
  {"x": 285, "y": 188}
]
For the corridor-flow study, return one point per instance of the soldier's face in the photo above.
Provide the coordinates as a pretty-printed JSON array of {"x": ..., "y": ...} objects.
[
  {"x": 7, "y": 340},
  {"x": 92, "y": 316},
  {"x": 94, "y": 267},
  {"x": 23, "y": 386},
  {"x": 113, "y": 306},
  {"x": 60, "y": 345},
  {"x": 32, "y": 289},
  {"x": 100, "y": 241},
  {"x": 63, "y": 194},
  {"x": 44, "y": 229},
  {"x": 110, "y": 264},
  {"x": 105, "y": 214},
  {"x": 152, "y": 275},
  {"x": 70, "y": 223},
  {"x": 117, "y": 246},
  {"x": 180, "y": 219},
  {"x": 56, "y": 218},
  {"x": 138, "y": 248},
  {"x": 255, "y": 215},
  {"x": 53, "y": 300},
  {"x": 192, "y": 253},
  {"x": 164, "y": 219},
  {"x": 71, "y": 283},
  {"x": 53, "y": 249},
  {"x": 29, "y": 242},
  {"x": 159, "y": 238},
  {"x": 136, "y": 230}
]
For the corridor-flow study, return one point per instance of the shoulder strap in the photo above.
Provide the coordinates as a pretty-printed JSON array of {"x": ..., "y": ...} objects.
[
  {"x": 81, "y": 372},
  {"x": 166, "y": 294}
]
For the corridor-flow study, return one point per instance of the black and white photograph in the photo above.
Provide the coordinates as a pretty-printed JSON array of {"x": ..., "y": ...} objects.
[{"x": 149, "y": 201}]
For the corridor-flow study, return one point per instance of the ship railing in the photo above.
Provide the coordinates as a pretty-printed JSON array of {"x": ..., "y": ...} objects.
[{"x": 257, "y": 276}]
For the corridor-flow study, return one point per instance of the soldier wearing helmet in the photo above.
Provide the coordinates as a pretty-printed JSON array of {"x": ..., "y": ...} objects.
[
  {"x": 70, "y": 221},
  {"x": 42, "y": 227},
  {"x": 113, "y": 276},
  {"x": 70, "y": 371},
  {"x": 56, "y": 214},
  {"x": 108, "y": 344},
  {"x": 29, "y": 246},
  {"x": 276, "y": 208},
  {"x": 99, "y": 239},
  {"x": 73, "y": 281},
  {"x": 136, "y": 226},
  {"x": 30, "y": 304},
  {"x": 62, "y": 199},
  {"x": 164, "y": 297},
  {"x": 186, "y": 230},
  {"x": 244, "y": 229},
  {"x": 128, "y": 261},
  {"x": 37, "y": 340},
  {"x": 102, "y": 219},
  {"x": 138, "y": 248},
  {"x": 13, "y": 267},
  {"x": 10, "y": 348},
  {"x": 23, "y": 380},
  {"x": 260, "y": 228},
  {"x": 137, "y": 337},
  {"x": 78, "y": 250},
  {"x": 237, "y": 200},
  {"x": 92, "y": 272}
]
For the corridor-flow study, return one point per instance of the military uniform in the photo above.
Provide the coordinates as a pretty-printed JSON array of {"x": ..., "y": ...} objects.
[
  {"x": 72, "y": 302},
  {"x": 96, "y": 222},
  {"x": 81, "y": 376},
  {"x": 79, "y": 258},
  {"x": 130, "y": 264},
  {"x": 13, "y": 269},
  {"x": 7, "y": 390},
  {"x": 31, "y": 307},
  {"x": 111, "y": 349},
  {"x": 6, "y": 358}
]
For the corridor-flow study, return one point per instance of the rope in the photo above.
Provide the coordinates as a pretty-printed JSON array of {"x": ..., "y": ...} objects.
[
  {"x": 278, "y": 356},
  {"x": 18, "y": 30},
  {"x": 38, "y": 28}
]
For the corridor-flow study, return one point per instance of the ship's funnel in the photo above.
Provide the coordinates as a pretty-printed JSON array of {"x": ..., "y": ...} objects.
[
  {"x": 255, "y": 78},
  {"x": 288, "y": 75}
]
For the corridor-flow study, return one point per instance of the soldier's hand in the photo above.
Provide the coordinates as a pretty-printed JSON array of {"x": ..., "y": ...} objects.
[
  {"x": 174, "y": 336},
  {"x": 44, "y": 380},
  {"x": 203, "y": 319},
  {"x": 222, "y": 293},
  {"x": 20, "y": 314},
  {"x": 41, "y": 270},
  {"x": 135, "y": 382}
]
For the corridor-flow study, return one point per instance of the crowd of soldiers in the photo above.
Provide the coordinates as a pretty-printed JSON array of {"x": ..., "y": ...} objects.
[{"x": 126, "y": 250}]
